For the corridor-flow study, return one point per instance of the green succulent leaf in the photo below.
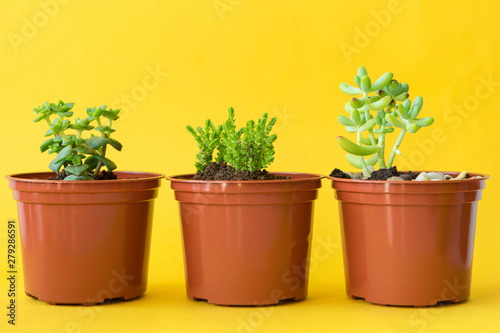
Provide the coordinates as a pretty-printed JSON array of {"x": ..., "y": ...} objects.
[
  {"x": 92, "y": 162},
  {"x": 393, "y": 121},
  {"x": 356, "y": 103},
  {"x": 412, "y": 127},
  {"x": 367, "y": 126},
  {"x": 362, "y": 71},
  {"x": 366, "y": 84},
  {"x": 402, "y": 97},
  {"x": 63, "y": 154},
  {"x": 345, "y": 121},
  {"x": 110, "y": 165},
  {"x": 381, "y": 103},
  {"x": 349, "y": 90},
  {"x": 116, "y": 144},
  {"x": 356, "y": 117},
  {"x": 351, "y": 129},
  {"x": 382, "y": 81},
  {"x": 46, "y": 144},
  {"x": 56, "y": 166},
  {"x": 85, "y": 149},
  {"x": 368, "y": 141},
  {"x": 402, "y": 111},
  {"x": 75, "y": 177},
  {"x": 97, "y": 141},
  {"x": 355, "y": 162},
  {"x": 424, "y": 122},
  {"x": 355, "y": 149},
  {"x": 76, "y": 169},
  {"x": 383, "y": 130}
]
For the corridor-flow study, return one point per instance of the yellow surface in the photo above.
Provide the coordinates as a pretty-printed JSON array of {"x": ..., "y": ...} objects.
[{"x": 172, "y": 63}]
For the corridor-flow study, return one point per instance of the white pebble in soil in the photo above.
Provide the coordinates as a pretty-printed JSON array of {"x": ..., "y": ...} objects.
[
  {"x": 423, "y": 176},
  {"x": 357, "y": 175},
  {"x": 436, "y": 176}
]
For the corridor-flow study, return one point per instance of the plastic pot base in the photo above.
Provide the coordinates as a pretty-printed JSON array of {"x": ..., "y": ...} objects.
[
  {"x": 438, "y": 303},
  {"x": 107, "y": 300},
  {"x": 408, "y": 243},
  {"x": 85, "y": 242},
  {"x": 246, "y": 243},
  {"x": 280, "y": 302}
]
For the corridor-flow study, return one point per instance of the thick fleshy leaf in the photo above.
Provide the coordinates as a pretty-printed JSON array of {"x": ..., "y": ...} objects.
[
  {"x": 356, "y": 149},
  {"x": 65, "y": 152},
  {"x": 56, "y": 166},
  {"x": 110, "y": 165},
  {"x": 97, "y": 141},
  {"x": 92, "y": 162},
  {"x": 85, "y": 149},
  {"x": 345, "y": 121},
  {"x": 368, "y": 141},
  {"x": 76, "y": 169},
  {"x": 355, "y": 162},
  {"x": 116, "y": 144},
  {"x": 75, "y": 177},
  {"x": 45, "y": 145}
]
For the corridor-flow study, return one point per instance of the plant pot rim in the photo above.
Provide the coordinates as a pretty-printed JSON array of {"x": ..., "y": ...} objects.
[
  {"x": 294, "y": 177},
  {"x": 41, "y": 177},
  {"x": 415, "y": 183}
]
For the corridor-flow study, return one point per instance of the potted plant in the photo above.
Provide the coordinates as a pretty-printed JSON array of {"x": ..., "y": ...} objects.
[
  {"x": 85, "y": 233},
  {"x": 246, "y": 232},
  {"x": 407, "y": 237}
]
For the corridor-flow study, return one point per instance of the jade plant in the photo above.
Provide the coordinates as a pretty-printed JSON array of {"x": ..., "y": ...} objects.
[
  {"x": 248, "y": 148},
  {"x": 81, "y": 158},
  {"x": 383, "y": 107}
]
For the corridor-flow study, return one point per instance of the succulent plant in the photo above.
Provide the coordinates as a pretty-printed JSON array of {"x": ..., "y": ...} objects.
[
  {"x": 382, "y": 107},
  {"x": 81, "y": 158}
]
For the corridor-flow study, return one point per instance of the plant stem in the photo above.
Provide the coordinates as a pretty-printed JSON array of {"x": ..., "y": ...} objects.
[
  {"x": 361, "y": 159},
  {"x": 61, "y": 133},
  {"x": 99, "y": 165},
  {"x": 370, "y": 133},
  {"x": 381, "y": 153},
  {"x": 396, "y": 147}
]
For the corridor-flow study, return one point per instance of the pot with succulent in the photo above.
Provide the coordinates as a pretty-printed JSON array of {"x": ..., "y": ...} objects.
[
  {"x": 246, "y": 232},
  {"x": 407, "y": 236},
  {"x": 85, "y": 233}
]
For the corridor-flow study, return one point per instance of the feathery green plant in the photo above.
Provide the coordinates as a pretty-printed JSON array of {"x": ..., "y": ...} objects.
[{"x": 248, "y": 148}]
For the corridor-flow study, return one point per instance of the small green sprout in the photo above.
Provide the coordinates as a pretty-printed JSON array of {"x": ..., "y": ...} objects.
[
  {"x": 248, "y": 148},
  {"x": 81, "y": 158},
  {"x": 392, "y": 108}
]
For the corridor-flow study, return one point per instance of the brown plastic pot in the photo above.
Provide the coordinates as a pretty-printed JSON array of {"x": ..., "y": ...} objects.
[
  {"x": 247, "y": 242},
  {"x": 408, "y": 243},
  {"x": 85, "y": 241}
]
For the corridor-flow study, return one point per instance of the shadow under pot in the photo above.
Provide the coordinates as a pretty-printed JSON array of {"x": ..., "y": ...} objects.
[
  {"x": 84, "y": 242},
  {"x": 408, "y": 243},
  {"x": 247, "y": 242}
]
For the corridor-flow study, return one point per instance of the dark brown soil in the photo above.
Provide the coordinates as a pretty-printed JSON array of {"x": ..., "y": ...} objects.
[
  {"x": 223, "y": 171},
  {"x": 381, "y": 174},
  {"x": 384, "y": 174},
  {"x": 103, "y": 175},
  {"x": 337, "y": 173}
]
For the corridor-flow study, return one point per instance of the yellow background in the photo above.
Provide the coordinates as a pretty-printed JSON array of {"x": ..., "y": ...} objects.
[{"x": 284, "y": 58}]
